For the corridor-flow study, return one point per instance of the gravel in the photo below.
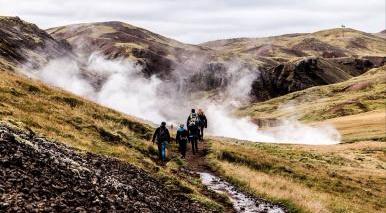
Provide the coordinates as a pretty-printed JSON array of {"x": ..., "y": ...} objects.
[{"x": 37, "y": 174}]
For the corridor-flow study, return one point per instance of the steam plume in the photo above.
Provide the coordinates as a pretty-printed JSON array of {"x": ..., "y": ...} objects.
[{"x": 123, "y": 87}]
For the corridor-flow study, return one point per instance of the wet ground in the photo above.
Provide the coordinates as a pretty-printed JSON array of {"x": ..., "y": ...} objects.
[{"x": 241, "y": 202}]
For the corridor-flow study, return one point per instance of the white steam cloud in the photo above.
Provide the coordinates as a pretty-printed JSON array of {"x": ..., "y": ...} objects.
[
  {"x": 288, "y": 130},
  {"x": 121, "y": 86}
]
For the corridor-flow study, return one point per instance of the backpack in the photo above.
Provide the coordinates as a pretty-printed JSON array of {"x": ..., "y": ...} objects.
[
  {"x": 162, "y": 134},
  {"x": 183, "y": 137},
  {"x": 194, "y": 120}
]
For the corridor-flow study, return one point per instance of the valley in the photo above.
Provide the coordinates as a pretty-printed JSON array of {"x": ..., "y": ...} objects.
[{"x": 296, "y": 121}]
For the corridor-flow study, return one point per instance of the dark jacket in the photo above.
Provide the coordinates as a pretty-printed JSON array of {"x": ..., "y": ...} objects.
[
  {"x": 194, "y": 131},
  {"x": 182, "y": 134},
  {"x": 203, "y": 121},
  {"x": 161, "y": 134},
  {"x": 189, "y": 118}
]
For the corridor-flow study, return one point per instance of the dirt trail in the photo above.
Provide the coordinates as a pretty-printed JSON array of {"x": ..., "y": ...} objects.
[{"x": 197, "y": 162}]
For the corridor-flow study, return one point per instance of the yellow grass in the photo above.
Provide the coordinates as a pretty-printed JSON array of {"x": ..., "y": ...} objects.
[
  {"x": 370, "y": 45},
  {"x": 324, "y": 103},
  {"x": 276, "y": 187},
  {"x": 364, "y": 126},
  {"x": 335, "y": 178},
  {"x": 87, "y": 126}
]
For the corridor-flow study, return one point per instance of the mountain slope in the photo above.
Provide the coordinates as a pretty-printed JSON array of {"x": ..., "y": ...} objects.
[
  {"x": 381, "y": 34},
  {"x": 159, "y": 55},
  {"x": 24, "y": 43},
  {"x": 42, "y": 117},
  {"x": 362, "y": 94},
  {"x": 37, "y": 119},
  {"x": 339, "y": 56},
  {"x": 330, "y": 43},
  {"x": 302, "y": 73},
  {"x": 200, "y": 68}
]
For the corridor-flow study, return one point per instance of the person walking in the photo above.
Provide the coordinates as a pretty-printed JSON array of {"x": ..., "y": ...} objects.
[
  {"x": 182, "y": 139},
  {"x": 194, "y": 131},
  {"x": 161, "y": 136},
  {"x": 203, "y": 123}
]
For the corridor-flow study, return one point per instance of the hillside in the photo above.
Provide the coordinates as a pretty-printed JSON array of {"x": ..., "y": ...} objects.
[
  {"x": 381, "y": 34},
  {"x": 38, "y": 120},
  {"x": 362, "y": 94},
  {"x": 333, "y": 178},
  {"x": 210, "y": 66},
  {"x": 332, "y": 43},
  {"x": 23, "y": 43},
  {"x": 342, "y": 53},
  {"x": 157, "y": 54},
  {"x": 48, "y": 176},
  {"x": 84, "y": 156},
  {"x": 280, "y": 64}
]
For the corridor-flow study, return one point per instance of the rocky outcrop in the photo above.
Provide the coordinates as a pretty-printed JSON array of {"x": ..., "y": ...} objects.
[
  {"x": 293, "y": 76},
  {"x": 212, "y": 76},
  {"x": 308, "y": 72},
  {"x": 37, "y": 174}
]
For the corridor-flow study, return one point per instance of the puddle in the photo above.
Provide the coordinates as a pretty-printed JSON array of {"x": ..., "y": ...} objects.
[{"x": 241, "y": 202}]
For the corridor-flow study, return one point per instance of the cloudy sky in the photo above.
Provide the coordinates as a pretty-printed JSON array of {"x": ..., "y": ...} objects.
[{"x": 196, "y": 21}]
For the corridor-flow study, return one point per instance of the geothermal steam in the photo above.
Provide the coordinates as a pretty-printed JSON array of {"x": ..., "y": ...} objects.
[{"x": 123, "y": 87}]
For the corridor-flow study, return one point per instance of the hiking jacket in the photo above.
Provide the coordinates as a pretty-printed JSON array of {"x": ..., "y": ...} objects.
[
  {"x": 181, "y": 133},
  {"x": 158, "y": 137},
  {"x": 190, "y": 117},
  {"x": 203, "y": 121},
  {"x": 188, "y": 120},
  {"x": 194, "y": 131}
]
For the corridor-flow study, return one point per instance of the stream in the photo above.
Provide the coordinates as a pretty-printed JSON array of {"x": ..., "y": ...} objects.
[{"x": 241, "y": 202}]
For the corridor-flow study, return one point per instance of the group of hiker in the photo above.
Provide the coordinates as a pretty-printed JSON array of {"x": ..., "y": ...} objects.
[{"x": 193, "y": 133}]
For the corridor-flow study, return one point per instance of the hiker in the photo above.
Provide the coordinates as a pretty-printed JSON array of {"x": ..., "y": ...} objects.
[
  {"x": 193, "y": 129},
  {"x": 162, "y": 137},
  {"x": 182, "y": 139},
  {"x": 203, "y": 123}
]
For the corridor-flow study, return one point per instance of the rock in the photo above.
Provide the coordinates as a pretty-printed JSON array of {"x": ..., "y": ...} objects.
[{"x": 46, "y": 176}]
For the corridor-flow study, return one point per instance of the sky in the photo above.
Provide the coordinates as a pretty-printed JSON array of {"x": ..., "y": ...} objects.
[{"x": 196, "y": 21}]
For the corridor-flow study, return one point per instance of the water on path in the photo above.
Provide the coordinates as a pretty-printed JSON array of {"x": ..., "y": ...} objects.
[{"x": 241, "y": 202}]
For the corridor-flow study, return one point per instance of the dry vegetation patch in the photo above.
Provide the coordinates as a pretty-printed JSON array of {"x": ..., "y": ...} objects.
[
  {"x": 334, "y": 178},
  {"x": 61, "y": 116}
]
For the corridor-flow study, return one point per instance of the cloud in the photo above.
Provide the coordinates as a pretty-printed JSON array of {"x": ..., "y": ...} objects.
[{"x": 203, "y": 20}]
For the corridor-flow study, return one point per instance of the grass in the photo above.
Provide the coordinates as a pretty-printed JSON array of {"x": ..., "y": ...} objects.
[
  {"x": 364, "y": 93},
  {"x": 335, "y": 178},
  {"x": 362, "y": 98},
  {"x": 348, "y": 177},
  {"x": 89, "y": 127},
  {"x": 368, "y": 126},
  {"x": 278, "y": 46},
  {"x": 69, "y": 119}
]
